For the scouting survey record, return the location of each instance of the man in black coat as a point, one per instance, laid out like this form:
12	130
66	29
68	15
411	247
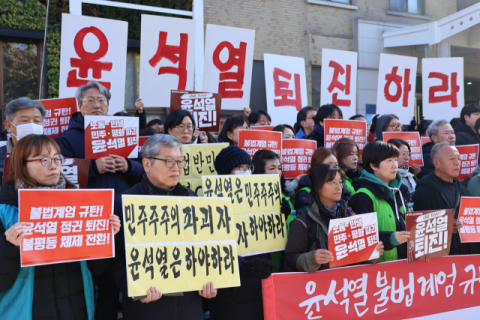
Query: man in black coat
465	129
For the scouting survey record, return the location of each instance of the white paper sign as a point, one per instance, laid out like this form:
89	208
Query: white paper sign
286	87
396	86
228	65
442	82
93	49
339	80
167	58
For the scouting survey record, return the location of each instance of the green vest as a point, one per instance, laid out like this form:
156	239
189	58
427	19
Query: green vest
349	186
386	221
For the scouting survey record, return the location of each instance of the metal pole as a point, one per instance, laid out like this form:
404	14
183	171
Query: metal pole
44	55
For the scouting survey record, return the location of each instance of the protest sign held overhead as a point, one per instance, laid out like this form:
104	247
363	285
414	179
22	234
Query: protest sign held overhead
296	156
57	115
469	216
430	233
167	58
93	49
228	64
65	225
286	87
353	239
205	107
336	129
339	80
111	135
469	160
192	239
413	140
253	140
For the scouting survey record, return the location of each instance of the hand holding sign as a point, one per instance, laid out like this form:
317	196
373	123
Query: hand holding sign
322	256
15	233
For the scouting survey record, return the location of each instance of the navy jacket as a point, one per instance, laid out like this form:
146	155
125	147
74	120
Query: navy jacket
318	134
463	133
72	144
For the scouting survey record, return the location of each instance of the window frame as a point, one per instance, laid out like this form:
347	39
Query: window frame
407	12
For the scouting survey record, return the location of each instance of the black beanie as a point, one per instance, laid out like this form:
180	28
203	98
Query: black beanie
231	157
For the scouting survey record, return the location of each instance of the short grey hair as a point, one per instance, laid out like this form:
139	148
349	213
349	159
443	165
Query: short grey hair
92	85
435	153
155	143
22	103
433	128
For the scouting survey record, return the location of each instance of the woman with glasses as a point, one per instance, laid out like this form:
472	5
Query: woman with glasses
386	122
181	125
347	153
379	189
408	178
230	129
307	245
55	291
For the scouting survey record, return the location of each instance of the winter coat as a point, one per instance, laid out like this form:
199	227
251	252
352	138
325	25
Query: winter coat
475	139
318	135
474	183
304	188
429	195
463	133
72	145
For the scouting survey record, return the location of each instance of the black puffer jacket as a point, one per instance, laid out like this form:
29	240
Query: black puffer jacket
463	133
428	166
318	134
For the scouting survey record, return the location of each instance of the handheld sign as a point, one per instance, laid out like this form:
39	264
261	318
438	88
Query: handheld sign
262	128
353	239
65	225
426	140
111	135
141	142
469	157
430	233
253	140
296	156
200	159
336	129
57	115
413	140
469	216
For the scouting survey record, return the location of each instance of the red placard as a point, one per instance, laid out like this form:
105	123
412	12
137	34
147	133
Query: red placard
296	156
141	142
469	157
413	140
65	225
262	128
469	216
430	233
426	140
57	115
336	129
105	136
204	106
253	140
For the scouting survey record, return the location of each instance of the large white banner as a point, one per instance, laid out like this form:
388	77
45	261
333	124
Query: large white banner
167	58
93	49
286	87
442	82
396	86
339	80
228	64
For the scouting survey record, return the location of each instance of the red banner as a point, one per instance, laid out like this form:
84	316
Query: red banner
469	157
296	156
469	216
253	140
262	128
413	140
141	142
336	129
392	290
65	225
57	117
426	140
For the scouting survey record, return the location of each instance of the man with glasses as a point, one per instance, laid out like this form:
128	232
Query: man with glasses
163	163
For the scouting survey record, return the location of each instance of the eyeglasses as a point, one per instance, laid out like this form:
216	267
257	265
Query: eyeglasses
47	162
170	163
244	168
182	128
335	184
406	154
395	126
91	102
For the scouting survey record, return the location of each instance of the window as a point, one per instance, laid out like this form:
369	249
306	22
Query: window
341	1
463	4
407	6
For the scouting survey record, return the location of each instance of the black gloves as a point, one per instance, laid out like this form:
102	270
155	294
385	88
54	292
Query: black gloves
374	123
260	268
285	208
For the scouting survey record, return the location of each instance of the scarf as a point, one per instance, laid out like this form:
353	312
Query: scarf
408	178
61	184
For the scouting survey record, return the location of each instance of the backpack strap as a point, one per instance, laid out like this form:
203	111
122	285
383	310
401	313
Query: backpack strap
308	189
311	228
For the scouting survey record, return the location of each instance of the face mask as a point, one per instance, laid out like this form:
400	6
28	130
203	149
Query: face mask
240	173
26	129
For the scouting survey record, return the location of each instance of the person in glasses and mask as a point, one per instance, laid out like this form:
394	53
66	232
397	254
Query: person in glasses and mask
22	117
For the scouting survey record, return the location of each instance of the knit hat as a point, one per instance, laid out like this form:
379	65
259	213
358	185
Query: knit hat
231	157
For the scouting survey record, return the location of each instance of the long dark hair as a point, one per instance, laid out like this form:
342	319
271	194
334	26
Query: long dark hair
260	159
230	124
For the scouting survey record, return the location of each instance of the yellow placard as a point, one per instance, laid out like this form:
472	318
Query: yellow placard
226	186
205	219
215	263
150	219
187	156
187	183
203	158
158	266
263	193
261	232
197	186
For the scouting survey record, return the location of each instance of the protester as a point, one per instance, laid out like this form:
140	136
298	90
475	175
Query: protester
439	131
147	132
442	190
465	129
230	129
205	137
373	127
259	118
305	121
287	131
475	139
408	178
423	127
386	122
52	291
157	125
181	125
454	122
328	111
347	153
379	189
304	253
244	302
